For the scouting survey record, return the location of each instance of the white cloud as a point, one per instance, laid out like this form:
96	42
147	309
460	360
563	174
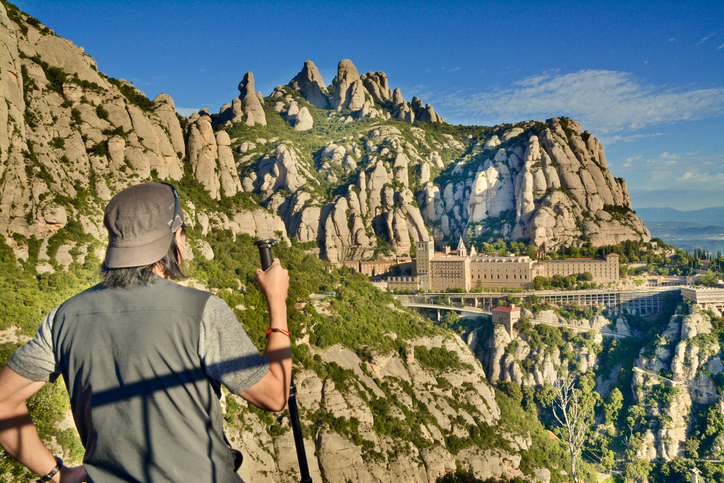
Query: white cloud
626	138
720	47
705	178
706	38
421	90
605	101
674	170
187	111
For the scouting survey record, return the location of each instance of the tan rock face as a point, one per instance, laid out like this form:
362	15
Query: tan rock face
688	384
72	132
304	120
349	90
250	104
310	84
334	457
556	188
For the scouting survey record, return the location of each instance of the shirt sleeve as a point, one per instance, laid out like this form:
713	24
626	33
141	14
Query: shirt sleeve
36	359
226	351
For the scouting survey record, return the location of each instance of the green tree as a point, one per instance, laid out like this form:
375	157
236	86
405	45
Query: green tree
613	406
512	390
541	283
586	276
709	279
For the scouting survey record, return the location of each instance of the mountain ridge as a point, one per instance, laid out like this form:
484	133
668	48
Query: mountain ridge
366	172
713	215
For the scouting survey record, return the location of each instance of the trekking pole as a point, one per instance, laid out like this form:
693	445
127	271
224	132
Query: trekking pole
265	253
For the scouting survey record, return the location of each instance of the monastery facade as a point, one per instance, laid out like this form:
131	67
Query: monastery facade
437	272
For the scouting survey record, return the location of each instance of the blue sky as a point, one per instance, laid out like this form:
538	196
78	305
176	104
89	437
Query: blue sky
645	78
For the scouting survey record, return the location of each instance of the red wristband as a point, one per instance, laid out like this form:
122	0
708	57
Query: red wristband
274	329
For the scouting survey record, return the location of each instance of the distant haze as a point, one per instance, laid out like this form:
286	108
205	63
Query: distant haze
686	229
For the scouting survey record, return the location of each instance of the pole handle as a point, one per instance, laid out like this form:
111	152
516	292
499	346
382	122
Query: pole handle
265	251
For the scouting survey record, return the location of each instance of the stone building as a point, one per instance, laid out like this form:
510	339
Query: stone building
486	272
439	271
376	267
447	271
403	282
507	317
603	270
425	252
707	297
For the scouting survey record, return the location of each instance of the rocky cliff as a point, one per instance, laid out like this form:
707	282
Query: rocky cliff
673	380
70	137
369	180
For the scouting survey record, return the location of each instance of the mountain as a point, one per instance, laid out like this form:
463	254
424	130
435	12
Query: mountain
364	172
713	215
392	397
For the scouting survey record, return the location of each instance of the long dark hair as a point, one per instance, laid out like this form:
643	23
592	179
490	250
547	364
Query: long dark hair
133	276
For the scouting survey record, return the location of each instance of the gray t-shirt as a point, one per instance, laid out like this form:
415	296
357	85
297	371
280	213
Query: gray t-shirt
226	352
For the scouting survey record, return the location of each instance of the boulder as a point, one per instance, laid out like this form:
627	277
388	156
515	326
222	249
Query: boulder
304	120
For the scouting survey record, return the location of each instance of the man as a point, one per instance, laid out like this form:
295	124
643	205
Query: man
143	359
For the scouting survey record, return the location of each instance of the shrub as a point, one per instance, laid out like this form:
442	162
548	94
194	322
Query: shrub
76	117
102	113
99	149
512	390
133	96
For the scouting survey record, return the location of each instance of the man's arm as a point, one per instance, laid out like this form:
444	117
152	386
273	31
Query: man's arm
18	435
272	391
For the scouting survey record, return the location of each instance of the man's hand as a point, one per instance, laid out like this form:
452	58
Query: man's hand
274	284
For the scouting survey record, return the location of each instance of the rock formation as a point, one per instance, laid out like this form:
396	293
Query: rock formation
553	181
62	123
333	457
683	366
545	183
250	103
303	120
311	85
349	91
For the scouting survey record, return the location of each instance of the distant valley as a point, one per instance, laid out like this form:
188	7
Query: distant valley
702	229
